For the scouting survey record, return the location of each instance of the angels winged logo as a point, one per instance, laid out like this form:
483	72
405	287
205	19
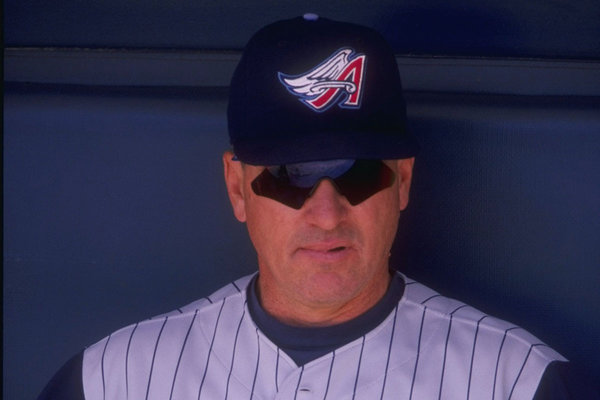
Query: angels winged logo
337	80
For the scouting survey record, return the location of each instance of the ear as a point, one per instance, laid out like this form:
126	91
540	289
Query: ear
234	180
404	171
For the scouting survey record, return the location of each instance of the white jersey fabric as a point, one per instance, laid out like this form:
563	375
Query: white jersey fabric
429	347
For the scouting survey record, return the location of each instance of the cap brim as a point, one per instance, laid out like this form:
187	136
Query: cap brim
285	149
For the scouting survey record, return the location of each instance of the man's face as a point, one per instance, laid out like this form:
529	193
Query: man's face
328	257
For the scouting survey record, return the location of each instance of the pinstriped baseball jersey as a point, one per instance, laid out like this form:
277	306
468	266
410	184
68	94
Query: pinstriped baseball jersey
429	347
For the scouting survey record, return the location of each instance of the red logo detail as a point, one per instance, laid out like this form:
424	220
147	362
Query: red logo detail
338	79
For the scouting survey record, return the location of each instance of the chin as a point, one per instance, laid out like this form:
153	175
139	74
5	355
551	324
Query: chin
330	287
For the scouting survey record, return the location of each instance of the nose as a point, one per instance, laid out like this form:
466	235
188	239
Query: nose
326	207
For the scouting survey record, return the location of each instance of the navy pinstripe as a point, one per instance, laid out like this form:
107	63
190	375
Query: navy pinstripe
329	376
181	353
387	364
257	363
127	360
498	359
237	334
154	356
299	380
473	356
522	367
362	347
277	371
212	342
446	350
429	298
412	385
103	380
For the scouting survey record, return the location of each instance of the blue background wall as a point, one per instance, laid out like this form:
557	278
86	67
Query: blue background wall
115	210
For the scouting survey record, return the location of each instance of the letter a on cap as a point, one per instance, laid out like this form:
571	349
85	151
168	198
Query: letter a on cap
337	80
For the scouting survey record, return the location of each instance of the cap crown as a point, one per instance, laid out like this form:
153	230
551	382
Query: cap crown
314	90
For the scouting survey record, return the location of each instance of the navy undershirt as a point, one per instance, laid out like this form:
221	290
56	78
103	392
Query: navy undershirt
304	344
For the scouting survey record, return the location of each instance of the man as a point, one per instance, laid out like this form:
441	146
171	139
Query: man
320	171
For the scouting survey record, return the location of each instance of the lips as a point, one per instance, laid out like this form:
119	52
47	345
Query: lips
326	246
325	251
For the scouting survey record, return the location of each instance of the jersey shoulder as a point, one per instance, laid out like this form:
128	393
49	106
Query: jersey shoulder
460	313
112	365
233	288
499	354
470	318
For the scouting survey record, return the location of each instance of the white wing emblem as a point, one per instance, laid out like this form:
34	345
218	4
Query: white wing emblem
338	79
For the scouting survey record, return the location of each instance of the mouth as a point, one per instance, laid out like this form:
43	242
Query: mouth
325	251
336	249
326	246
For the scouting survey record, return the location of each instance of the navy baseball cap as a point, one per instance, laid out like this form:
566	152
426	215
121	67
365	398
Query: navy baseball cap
314	89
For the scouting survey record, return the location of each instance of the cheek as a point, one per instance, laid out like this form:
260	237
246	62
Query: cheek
266	227
381	220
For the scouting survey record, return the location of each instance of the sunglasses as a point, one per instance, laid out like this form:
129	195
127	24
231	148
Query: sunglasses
292	184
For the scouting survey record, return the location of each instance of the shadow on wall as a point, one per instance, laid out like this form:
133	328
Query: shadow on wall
472	31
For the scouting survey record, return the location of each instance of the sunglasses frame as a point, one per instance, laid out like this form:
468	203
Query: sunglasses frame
364	179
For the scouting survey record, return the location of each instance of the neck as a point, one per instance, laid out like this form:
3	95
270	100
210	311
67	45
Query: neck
301	312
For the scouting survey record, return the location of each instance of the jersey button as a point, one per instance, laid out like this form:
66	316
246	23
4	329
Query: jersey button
304	393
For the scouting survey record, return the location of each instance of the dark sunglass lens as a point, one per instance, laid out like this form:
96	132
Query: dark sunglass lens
364	179
279	189
292	185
